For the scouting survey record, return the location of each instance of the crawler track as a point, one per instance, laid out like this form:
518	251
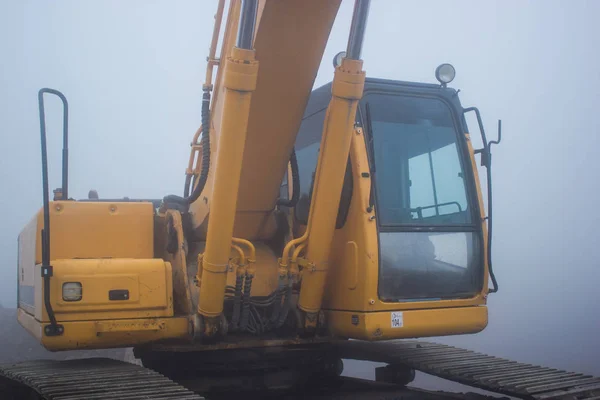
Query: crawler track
494	374
94	379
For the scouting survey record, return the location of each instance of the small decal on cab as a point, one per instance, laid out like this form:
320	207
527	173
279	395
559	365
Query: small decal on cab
397	320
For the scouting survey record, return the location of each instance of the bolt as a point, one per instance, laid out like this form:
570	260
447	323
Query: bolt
58	207
371	302
113	208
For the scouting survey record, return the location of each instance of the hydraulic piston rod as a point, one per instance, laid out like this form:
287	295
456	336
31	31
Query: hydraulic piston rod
239	81
347	89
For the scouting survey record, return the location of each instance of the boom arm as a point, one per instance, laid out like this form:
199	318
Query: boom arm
289	41
256	117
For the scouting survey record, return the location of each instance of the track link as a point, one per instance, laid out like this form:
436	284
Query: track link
93	379
474	369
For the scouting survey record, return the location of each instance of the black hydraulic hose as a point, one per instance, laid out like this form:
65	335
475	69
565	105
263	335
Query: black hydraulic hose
277	306
205	147
287	303
186	186
246	301
295	184
237	302
205	158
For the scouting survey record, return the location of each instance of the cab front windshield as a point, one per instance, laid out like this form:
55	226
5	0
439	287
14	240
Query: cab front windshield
429	245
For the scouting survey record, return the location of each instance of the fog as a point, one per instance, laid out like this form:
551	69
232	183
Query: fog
132	72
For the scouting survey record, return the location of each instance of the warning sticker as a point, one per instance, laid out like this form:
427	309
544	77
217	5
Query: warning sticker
397	320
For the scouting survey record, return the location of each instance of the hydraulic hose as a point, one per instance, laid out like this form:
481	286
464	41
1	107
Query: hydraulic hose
186	186
205	158
246	299
287	302
278	298
205	147
237	298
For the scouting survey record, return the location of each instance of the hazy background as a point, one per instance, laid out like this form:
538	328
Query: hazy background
132	72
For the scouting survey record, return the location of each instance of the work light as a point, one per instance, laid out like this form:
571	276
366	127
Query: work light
445	74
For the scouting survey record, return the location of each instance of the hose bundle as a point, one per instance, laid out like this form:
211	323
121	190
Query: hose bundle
186	201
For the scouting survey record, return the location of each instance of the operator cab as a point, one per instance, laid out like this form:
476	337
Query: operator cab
430	236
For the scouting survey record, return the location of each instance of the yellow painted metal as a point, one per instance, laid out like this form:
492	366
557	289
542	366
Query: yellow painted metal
481	210
182	295
195	160
93	334
290	39
347	89
360	230
213	44
239	81
356	244
256	113
241	259
415	323
249	245
92	230
266	270
149	282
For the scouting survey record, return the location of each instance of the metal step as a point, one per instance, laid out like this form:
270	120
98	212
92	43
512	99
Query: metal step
476	369
93	378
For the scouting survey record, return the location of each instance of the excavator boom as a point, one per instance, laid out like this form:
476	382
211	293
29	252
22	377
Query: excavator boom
289	41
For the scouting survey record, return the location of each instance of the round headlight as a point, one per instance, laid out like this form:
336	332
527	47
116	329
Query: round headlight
337	59
445	74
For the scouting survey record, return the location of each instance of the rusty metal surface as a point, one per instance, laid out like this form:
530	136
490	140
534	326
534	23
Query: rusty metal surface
96	378
475	369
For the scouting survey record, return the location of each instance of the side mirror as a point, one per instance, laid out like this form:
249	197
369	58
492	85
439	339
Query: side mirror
486	152
491	142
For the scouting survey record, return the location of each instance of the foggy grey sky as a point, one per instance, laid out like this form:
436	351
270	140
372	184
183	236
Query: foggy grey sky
132	72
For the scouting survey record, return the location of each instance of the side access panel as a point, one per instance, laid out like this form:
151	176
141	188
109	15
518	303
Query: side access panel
80	230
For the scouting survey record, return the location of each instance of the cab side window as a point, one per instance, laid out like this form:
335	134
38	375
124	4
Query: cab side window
308	144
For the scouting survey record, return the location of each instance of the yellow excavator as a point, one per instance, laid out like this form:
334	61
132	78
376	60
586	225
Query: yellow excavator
314	227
